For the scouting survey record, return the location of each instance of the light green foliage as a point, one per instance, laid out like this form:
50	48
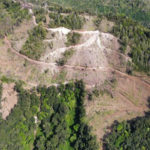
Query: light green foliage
62	127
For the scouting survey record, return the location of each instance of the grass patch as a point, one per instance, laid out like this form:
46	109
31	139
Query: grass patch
5	79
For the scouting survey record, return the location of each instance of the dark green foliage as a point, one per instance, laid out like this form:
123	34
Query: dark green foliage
71	21
131	135
59	125
137	37
66	55
73	38
17	132
34	47
85	140
11	15
136	9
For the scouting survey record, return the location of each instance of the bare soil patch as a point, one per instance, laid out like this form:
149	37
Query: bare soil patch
9	99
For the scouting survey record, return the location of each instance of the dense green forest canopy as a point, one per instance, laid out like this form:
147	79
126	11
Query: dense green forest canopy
48	118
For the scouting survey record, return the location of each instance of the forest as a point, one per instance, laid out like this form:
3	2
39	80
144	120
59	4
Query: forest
48	118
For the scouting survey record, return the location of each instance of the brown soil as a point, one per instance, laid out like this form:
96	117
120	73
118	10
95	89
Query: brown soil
9	99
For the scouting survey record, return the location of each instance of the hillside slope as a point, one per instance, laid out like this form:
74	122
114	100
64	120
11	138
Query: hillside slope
42	60
138	10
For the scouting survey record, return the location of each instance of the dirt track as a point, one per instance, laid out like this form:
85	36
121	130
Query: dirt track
70	66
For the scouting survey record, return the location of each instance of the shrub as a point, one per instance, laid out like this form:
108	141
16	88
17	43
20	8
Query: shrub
34	47
73	38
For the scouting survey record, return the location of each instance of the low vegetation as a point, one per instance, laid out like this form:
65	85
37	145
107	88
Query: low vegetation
58	8
40	15
11	15
1	90
48	118
71	21
34	47
66	55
